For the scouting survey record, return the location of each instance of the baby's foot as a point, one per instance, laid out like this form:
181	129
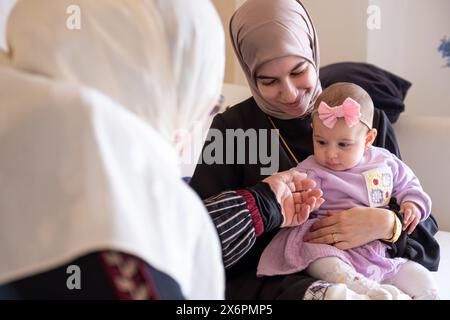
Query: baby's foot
339	291
396	293
427	295
379	293
369	287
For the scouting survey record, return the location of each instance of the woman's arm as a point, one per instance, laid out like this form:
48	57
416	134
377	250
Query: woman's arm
284	199
238	222
352	228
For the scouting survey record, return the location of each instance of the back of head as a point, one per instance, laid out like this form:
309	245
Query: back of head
77	110
337	93
155	58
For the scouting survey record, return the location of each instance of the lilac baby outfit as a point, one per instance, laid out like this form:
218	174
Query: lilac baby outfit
371	183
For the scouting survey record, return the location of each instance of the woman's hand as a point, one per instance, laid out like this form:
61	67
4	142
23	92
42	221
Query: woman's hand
296	196
352	228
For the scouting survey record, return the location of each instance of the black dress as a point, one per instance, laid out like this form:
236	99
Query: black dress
102	275
210	179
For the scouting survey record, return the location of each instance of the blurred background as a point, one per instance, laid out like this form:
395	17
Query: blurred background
406	43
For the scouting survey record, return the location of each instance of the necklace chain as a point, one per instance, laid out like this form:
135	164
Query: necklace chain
283	141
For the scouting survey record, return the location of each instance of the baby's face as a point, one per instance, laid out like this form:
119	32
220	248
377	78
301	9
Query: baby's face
340	148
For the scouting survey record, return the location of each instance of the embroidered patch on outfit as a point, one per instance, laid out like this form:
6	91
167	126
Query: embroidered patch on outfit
379	186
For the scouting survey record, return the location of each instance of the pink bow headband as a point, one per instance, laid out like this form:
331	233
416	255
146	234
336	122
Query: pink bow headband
349	110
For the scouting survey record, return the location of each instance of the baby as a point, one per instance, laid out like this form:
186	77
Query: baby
353	173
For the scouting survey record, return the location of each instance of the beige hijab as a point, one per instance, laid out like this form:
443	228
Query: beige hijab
263	30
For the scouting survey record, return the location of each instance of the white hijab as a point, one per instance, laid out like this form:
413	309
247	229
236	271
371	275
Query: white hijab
87	120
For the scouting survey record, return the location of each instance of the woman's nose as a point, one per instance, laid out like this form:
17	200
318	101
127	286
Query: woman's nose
289	92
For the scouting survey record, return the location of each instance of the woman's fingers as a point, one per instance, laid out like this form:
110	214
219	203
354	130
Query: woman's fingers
302	216
315	193
354	227
298	217
325	222
308	197
324	232
298	197
325	239
300	201
302	186
291	186
311	202
343	245
319	202
299	181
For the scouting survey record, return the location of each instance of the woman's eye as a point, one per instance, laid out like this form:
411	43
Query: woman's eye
298	73
268	83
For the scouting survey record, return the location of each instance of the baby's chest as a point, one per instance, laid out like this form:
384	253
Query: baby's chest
372	187
378	184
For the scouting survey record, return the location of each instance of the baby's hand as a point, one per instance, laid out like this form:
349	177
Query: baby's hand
411	215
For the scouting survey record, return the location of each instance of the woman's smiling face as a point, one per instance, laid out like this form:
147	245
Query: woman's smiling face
287	83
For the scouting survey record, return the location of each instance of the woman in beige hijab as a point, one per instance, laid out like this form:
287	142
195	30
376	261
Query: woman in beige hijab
277	47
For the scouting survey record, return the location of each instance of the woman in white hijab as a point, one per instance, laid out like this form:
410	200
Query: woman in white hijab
94	96
86	133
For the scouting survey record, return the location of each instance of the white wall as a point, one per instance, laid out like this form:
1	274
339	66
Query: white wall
341	30
238	74
233	71
407	45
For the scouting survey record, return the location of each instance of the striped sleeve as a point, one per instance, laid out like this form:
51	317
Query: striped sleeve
238	222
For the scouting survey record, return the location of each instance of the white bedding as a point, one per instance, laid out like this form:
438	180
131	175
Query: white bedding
443	276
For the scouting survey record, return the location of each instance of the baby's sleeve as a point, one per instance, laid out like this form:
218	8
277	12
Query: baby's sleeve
407	187
308	166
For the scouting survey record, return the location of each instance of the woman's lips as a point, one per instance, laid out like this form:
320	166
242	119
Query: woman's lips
301	100
293	104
